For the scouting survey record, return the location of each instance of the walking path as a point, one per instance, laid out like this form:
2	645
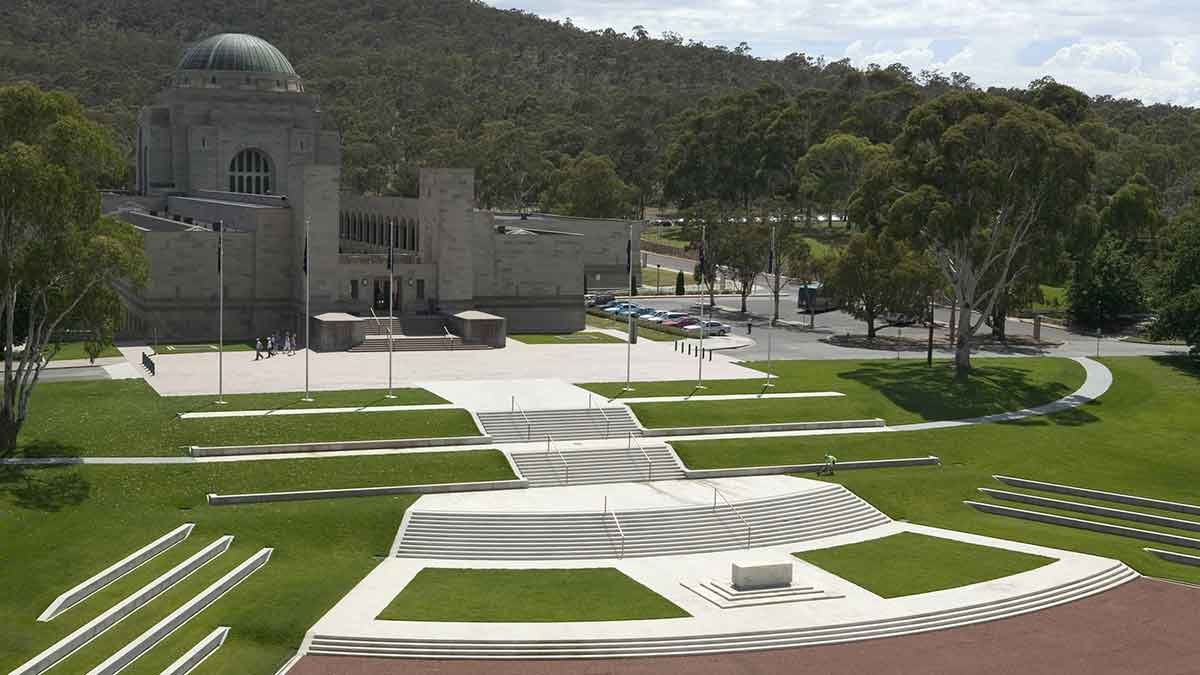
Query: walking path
498	397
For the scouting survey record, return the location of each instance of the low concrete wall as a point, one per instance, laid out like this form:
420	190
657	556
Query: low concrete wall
1175	557
761	428
1132	500
341	493
1093	509
129	605
119	569
479	328
142	643
1080	524
809	468
206	646
228	450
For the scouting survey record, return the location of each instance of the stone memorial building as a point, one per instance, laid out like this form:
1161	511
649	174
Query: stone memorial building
236	139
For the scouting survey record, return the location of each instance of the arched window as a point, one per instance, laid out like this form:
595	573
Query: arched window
250	172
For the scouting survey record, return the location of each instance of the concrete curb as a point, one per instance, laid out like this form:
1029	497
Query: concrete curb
808	468
341	493
118	612
227	450
115	571
1092	509
760	428
1132	500
1081	524
156	633
1173	556
205	647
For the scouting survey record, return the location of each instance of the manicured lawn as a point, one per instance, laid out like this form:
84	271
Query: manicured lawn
908	563
74	350
580	338
540	595
1139	438
623	325
127	417
656	278
202	348
60	525
900	392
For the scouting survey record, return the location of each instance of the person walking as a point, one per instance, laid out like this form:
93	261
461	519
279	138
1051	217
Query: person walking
258	347
270	346
291	344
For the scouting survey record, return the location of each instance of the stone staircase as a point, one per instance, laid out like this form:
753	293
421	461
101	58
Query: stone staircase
624	463
680	645
564	425
407	343
794	517
724	595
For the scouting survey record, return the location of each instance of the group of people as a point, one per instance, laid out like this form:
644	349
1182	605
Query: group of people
281	343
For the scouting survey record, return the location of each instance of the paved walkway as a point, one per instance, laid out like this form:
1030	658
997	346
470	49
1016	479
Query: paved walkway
1145	626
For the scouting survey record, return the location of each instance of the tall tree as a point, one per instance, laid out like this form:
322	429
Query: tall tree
59	259
834	168
981	179
875	275
1177	296
512	166
1105	285
588	186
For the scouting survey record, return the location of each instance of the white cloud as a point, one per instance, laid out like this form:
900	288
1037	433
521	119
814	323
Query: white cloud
1144	49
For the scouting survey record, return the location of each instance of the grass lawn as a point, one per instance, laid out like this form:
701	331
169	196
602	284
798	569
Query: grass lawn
580	338
908	563
65	417
199	348
623	325
650	277
900	392
60	525
671	235
1139	438
519	596
74	350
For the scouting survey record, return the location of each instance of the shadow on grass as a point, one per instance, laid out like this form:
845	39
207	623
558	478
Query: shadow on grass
938	393
45	487
1184	364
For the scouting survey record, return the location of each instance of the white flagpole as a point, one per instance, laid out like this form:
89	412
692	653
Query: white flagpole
703	283
391	296
221	312
774	269
629	335
307	320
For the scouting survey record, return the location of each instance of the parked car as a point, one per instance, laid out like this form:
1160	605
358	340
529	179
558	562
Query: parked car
709	327
681	322
603	299
589	300
613	308
668	315
649	313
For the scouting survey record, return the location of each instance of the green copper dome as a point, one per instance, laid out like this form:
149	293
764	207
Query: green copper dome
238	52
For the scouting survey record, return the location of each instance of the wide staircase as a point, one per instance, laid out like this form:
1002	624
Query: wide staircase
628	462
794	517
419	343
562	425
732	641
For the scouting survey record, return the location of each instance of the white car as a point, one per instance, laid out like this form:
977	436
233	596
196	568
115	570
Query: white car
667	315
710	328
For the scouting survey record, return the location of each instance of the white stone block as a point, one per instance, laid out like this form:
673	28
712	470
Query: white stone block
749	575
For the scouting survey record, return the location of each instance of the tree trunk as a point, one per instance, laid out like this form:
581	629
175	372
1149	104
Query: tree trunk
871	327
775	313
962	345
8	436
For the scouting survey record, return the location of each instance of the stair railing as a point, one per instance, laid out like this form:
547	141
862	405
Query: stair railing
528	426
629	446
566	467
449	338
616	520
607	421
717	492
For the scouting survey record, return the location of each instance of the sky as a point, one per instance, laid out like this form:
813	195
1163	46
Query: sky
1145	49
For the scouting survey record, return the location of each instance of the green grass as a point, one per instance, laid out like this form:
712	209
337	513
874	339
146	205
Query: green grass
521	596
668	235
202	348
650	277
908	563
623	325
74	350
1139	438
60	525
580	338
900	392
127	417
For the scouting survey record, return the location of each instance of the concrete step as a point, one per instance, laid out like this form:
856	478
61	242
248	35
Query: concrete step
565	424
725	642
603	465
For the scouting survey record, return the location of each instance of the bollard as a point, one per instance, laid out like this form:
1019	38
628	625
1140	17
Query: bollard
710	355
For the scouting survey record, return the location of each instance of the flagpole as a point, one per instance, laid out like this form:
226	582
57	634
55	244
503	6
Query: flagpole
307	398
772	269
704	282
220	312
629	334
391	295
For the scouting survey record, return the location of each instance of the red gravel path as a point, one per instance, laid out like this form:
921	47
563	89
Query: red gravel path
1145	626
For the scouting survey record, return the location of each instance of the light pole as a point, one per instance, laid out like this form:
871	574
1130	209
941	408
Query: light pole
220	312
771	263
658	280
629	334
307	345
703	280
391	294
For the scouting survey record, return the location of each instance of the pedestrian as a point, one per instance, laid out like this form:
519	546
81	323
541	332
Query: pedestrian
258	347
291	344
270	346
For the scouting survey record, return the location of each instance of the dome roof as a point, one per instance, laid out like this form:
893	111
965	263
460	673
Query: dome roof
237	52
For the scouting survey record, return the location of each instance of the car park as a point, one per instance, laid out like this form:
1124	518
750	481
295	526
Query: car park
709	327
681	322
667	315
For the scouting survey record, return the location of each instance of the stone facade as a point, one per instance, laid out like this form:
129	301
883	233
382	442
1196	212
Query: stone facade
252	150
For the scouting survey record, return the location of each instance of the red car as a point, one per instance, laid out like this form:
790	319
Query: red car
680	323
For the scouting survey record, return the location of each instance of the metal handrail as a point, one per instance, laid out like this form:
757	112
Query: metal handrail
566	467
516	407
607	422
620	530
449	337
735	512
649	465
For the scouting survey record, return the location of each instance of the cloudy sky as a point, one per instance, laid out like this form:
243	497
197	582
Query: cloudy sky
1147	49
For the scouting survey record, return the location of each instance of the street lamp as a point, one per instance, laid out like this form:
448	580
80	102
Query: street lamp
658	280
